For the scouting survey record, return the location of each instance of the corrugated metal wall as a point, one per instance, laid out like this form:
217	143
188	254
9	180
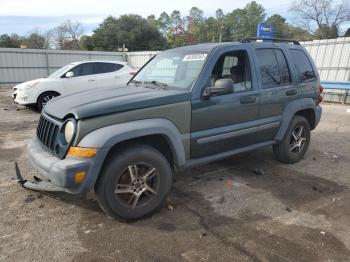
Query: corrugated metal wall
19	65
138	59
332	57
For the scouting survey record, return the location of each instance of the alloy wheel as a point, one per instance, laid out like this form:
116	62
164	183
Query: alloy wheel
137	185
297	139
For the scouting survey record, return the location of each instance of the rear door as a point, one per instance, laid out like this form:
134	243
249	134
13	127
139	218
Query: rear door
277	89
83	78
107	74
226	122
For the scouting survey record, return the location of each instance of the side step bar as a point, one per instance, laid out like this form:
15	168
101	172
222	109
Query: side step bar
38	184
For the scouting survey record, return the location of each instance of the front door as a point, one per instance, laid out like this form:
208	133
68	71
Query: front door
226	122
84	78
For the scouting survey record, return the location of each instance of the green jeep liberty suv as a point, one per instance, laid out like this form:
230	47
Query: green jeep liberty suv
187	106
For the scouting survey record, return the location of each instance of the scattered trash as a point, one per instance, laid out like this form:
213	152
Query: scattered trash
229	183
30	198
202	235
259	171
88	231
5	109
335	156
323	233
170	207
288	209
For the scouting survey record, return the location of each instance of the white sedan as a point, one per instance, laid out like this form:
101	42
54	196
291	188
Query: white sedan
72	78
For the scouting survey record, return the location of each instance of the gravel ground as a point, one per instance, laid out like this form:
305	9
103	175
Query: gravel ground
219	212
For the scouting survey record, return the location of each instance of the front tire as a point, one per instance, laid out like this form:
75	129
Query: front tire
134	183
44	99
295	142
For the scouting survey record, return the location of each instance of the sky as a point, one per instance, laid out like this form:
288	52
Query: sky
22	16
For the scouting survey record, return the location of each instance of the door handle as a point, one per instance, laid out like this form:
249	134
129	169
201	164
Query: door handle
91	80
247	99
291	92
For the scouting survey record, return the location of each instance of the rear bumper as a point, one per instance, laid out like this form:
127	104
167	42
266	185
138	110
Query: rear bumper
318	114
60	173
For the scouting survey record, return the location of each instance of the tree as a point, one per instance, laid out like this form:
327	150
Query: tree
133	31
347	33
242	23
196	31
36	41
164	23
13	41
66	35
322	17
177	29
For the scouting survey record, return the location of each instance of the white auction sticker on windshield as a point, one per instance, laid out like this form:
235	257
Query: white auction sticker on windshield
194	57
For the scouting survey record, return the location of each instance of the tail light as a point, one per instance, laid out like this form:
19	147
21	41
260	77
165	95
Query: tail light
320	97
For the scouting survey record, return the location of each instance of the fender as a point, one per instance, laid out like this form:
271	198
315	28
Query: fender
108	136
289	112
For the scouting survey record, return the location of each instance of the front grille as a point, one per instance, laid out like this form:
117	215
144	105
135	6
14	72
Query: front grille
47	133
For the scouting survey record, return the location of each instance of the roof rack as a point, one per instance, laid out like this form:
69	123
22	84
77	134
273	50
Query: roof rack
274	39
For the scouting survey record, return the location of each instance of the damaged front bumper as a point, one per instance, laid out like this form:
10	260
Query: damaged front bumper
59	174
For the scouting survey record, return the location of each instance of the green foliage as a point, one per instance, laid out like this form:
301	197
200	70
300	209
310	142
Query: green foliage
133	31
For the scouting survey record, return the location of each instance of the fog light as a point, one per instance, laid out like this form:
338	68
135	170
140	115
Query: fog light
79	177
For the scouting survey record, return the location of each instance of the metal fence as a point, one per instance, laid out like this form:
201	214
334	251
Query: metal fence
19	65
332	57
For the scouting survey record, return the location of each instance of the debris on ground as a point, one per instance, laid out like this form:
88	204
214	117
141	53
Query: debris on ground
201	235
5	109
323	233
170	207
259	171
288	209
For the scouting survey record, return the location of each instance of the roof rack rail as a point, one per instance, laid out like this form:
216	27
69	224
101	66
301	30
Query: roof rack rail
274	39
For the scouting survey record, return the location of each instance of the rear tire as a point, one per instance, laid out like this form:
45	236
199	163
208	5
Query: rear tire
44	98
295	142
134	183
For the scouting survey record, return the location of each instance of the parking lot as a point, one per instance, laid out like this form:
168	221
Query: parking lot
246	208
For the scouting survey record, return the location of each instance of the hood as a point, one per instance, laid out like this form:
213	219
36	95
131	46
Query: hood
26	84
111	100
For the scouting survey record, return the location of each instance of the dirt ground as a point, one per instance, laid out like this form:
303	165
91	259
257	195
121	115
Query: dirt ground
219	212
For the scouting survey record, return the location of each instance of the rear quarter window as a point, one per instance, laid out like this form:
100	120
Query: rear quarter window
303	65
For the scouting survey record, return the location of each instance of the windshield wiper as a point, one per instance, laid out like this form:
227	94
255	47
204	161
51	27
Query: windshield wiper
157	83
136	82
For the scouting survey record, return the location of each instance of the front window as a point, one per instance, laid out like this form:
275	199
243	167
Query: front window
62	70
177	69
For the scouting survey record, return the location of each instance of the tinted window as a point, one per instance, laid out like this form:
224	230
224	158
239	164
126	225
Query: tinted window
83	69
269	71
283	67
234	65
102	68
303	65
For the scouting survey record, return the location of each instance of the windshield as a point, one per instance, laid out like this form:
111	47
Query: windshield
177	69
60	71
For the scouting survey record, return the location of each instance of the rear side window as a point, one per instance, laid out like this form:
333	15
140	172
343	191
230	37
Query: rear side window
281	59
303	65
269	70
83	69
101	68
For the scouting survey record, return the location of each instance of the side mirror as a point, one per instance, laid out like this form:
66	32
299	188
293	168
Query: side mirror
69	74
221	87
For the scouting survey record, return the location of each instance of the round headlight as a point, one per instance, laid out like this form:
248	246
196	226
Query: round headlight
69	130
